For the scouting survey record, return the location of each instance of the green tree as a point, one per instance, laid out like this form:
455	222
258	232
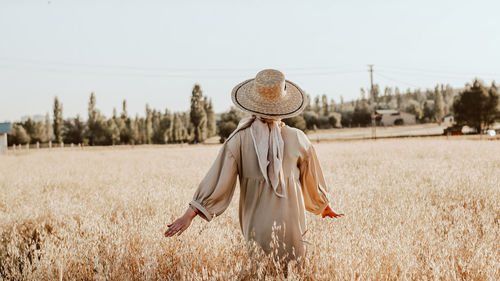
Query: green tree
361	115
325	106
312	120
376	93
35	130
73	130
399	99
228	123
209	110
97	127
18	135
125	126
308	103
415	109
335	120
198	116
148	126
112	132
333	106
57	120
161	127
296	122
438	105
317	106
428	113
48	128
136	132
178	133
477	106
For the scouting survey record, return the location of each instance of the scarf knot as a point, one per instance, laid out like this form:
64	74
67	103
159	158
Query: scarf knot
269	146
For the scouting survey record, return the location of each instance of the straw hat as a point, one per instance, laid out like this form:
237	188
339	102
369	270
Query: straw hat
269	95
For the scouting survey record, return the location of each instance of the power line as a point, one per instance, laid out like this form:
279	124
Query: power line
433	73
316	70
159	74
397	81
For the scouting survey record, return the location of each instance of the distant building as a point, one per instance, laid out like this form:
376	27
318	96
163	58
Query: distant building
448	120
391	117
4	130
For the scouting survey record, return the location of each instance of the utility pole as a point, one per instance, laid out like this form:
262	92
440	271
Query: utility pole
372	102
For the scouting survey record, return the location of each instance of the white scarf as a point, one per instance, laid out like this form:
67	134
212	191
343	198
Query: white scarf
268	143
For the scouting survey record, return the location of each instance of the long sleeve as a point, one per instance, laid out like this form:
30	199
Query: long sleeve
314	189
215	191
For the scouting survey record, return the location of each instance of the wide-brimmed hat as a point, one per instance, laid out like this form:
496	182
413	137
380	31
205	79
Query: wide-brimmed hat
269	95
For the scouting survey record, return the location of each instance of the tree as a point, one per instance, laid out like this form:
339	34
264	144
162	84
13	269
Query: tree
35	130
324	104
361	115
178	130
333	107
126	126
311	118
58	121
399	99
96	124
134	130
438	106
363	93
48	128
161	127
296	122
387	94
376	93
209	110
477	106
148	126
428	113
112	132
415	109
228	123
198	116
317	106
124	114
335	120
308	103
73	130
18	135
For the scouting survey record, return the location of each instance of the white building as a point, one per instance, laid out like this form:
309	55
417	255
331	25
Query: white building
448	120
391	117
4	130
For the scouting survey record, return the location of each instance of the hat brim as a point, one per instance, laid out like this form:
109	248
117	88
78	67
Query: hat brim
291	104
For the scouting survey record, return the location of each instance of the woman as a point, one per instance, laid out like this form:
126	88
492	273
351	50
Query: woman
278	170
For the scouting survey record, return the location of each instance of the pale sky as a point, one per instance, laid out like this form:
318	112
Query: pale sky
155	51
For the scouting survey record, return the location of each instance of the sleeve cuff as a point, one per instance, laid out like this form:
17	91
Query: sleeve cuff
322	208
205	213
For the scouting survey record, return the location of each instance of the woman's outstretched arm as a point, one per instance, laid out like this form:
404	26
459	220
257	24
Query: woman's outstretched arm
214	192
182	223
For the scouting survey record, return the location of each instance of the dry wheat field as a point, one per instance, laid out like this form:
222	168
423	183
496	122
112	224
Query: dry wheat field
415	209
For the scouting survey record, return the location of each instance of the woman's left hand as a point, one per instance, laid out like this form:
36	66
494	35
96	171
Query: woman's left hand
328	212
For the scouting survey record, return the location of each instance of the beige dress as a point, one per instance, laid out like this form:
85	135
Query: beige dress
260	207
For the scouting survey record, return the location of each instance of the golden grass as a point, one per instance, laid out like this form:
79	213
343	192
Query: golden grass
416	209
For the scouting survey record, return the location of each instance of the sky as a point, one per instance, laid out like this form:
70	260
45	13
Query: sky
153	52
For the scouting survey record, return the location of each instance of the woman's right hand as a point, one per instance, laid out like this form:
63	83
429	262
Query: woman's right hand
181	224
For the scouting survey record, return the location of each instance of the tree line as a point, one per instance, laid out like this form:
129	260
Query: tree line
429	105
475	105
156	127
